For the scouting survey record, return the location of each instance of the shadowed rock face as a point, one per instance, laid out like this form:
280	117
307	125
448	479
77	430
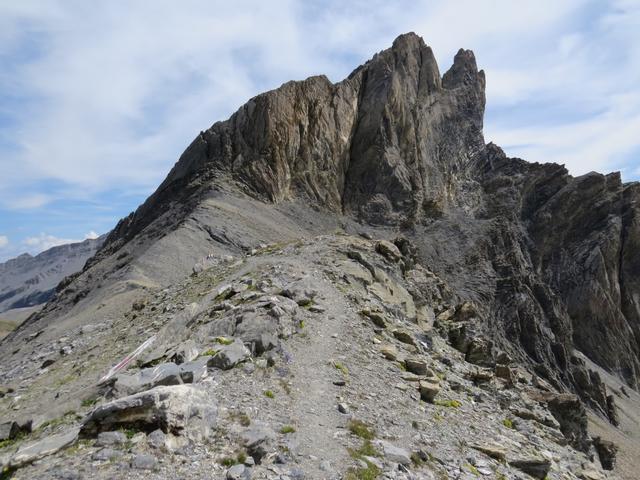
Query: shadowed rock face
549	260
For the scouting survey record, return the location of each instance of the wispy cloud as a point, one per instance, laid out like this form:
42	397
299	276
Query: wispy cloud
103	97
4	241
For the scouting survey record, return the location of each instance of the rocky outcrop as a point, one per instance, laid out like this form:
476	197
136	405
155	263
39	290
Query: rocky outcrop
548	257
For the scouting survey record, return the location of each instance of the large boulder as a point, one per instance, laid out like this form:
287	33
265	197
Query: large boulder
31	452
146	379
178	409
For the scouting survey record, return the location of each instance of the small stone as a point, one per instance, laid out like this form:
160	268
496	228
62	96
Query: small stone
237	472
47	363
229	356
428	390
389	352
395	454
404	337
106	454
536	467
417	366
376	317
157	439
388	250
343	408
504	372
108	439
494	451
144	462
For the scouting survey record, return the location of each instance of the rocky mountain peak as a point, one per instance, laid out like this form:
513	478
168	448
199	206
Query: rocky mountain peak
361	229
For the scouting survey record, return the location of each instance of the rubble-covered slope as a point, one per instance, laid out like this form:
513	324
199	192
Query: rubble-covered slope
326	358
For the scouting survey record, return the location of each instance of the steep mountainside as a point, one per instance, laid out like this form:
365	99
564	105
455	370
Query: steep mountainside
508	286
27	281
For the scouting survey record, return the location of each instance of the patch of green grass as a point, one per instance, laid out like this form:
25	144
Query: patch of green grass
415	425
366	450
242	418
269	394
287	429
448	403
361	429
129	432
472	469
89	402
240	457
415	458
12	441
66	418
64	380
341	367
371	472
301	324
6	473
224	340
228	461
209	353
507	422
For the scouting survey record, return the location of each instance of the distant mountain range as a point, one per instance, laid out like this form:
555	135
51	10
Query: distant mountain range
28	281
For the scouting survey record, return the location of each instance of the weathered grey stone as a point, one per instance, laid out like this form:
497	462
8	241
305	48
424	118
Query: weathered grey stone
389	352
163	374
194	372
157	439
179	409
536	467
8	430
417	366
428	390
106	454
47	446
237	472
258	441
187	351
494	451
228	356
144	462
107	439
404	336
395	454
388	250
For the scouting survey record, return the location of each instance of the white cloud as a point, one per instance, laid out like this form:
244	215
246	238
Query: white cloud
114	97
91	235
43	242
4	241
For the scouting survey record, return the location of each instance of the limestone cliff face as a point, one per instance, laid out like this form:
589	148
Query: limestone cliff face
551	260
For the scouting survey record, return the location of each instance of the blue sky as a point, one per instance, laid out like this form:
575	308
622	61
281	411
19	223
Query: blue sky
98	99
